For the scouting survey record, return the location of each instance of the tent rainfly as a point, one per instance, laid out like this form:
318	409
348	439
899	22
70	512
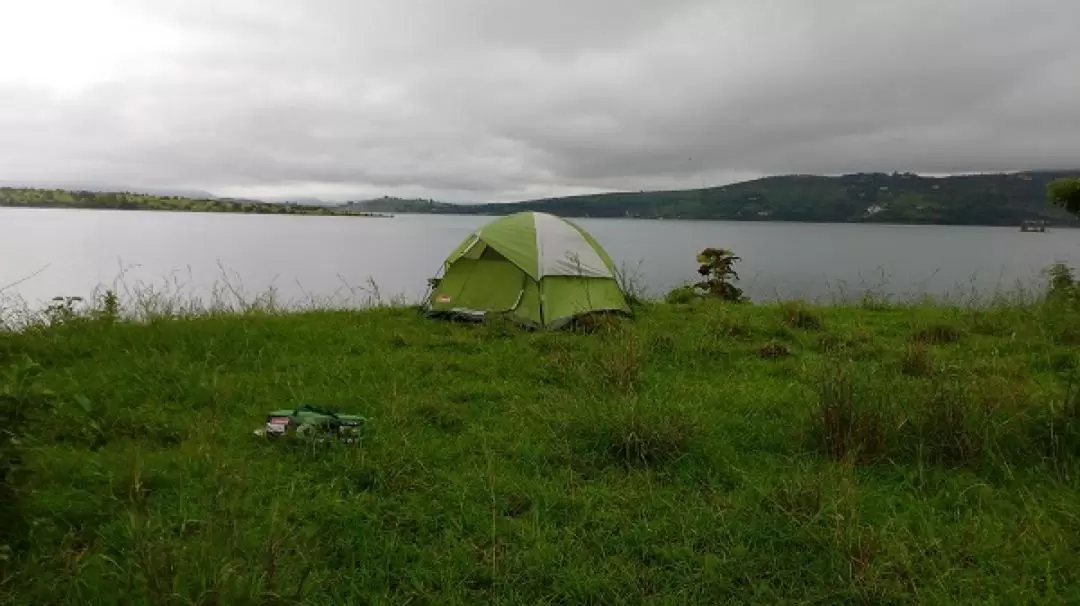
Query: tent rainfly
540	269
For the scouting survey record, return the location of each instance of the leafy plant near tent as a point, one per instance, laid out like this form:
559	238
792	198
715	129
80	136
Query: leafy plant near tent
718	272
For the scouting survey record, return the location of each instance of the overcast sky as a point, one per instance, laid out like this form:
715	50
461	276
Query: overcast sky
483	100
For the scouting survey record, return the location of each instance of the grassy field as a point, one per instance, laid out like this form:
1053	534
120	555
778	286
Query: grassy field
698	454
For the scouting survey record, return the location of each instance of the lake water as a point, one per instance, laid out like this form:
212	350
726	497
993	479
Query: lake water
45	253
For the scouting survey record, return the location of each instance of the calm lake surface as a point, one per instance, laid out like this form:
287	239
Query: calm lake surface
72	252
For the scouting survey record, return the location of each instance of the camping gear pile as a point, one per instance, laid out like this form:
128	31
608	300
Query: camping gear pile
314	423
536	268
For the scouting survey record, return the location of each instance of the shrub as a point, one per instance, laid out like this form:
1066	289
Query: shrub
108	310
1062	278
1065	192
1062	286
682	295
719	276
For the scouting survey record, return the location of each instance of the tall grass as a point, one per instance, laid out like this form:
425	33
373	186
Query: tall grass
175	296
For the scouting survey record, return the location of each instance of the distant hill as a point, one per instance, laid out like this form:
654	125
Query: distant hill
306	201
94	186
401	205
991	199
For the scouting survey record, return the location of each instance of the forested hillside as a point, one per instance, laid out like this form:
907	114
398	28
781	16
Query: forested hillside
995	199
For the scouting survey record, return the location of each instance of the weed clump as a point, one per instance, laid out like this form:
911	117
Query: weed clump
1061	431
853	345
774	350
500	326
662	344
990	323
515	504
632	284
599	323
952	426
620	363
1066	334
938	334
833	344
722	323
728	328
951	422
1062	362
637	440
440	417
918	361
20	394
871	301
850	420
798	315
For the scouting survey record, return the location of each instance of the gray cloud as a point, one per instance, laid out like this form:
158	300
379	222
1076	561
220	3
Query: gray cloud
501	99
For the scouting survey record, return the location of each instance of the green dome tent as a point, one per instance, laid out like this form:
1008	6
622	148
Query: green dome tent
540	269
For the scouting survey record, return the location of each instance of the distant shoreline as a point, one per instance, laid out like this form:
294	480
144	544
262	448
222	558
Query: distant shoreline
125	201
376	215
991	200
739	220
1004	199
368	215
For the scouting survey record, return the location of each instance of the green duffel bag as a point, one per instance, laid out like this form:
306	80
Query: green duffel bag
307	420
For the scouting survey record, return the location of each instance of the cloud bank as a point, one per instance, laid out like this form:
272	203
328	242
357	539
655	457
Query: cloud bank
485	100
